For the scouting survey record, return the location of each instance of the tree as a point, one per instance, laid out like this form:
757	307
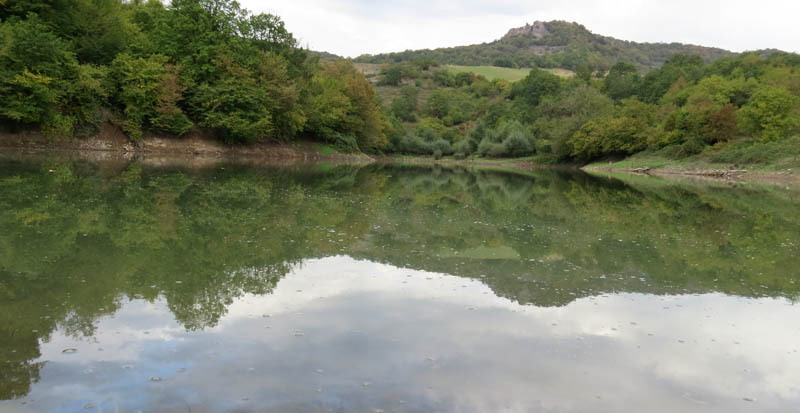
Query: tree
149	91
559	117
392	75
625	133
404	105
622	81
771	113
538	84
356	112
246	105
656	83
41	80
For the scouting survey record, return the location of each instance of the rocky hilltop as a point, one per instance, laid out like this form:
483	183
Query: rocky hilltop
537	30
553	44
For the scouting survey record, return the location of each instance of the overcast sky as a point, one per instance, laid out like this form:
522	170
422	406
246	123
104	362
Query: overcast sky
354	27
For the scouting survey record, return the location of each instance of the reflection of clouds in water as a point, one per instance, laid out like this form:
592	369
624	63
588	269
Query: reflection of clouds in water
375	335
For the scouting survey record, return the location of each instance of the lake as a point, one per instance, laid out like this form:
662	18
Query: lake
369	288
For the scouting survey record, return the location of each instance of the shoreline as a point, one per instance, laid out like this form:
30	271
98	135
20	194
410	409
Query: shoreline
719	175
199	150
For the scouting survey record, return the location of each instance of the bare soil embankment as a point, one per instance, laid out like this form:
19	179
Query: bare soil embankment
195	149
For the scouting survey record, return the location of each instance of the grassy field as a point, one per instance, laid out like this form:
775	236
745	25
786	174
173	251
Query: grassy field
505	73
490	72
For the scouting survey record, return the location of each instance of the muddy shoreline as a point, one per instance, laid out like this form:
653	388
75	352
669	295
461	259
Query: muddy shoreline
198	149
733	175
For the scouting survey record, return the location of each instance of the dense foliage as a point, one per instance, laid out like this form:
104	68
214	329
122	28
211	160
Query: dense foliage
682	109
69	65
567	45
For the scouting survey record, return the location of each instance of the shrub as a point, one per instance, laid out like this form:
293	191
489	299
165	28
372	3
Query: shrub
344	142
508	139
462	149
413	144
754	152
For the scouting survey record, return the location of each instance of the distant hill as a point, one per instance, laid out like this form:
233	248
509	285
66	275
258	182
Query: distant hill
555	44
324	55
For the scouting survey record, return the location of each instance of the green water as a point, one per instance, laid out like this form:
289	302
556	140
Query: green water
127	287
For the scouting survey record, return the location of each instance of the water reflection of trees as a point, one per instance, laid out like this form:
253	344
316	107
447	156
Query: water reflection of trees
76	240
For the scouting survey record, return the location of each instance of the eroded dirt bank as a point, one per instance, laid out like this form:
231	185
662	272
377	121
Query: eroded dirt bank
195	149
198	149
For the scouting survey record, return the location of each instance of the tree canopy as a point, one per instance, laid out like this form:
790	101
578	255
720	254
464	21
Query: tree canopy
69	65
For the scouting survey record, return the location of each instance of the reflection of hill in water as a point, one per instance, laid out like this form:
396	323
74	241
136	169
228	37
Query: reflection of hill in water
77	240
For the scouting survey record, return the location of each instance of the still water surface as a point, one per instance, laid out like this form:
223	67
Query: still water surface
127	287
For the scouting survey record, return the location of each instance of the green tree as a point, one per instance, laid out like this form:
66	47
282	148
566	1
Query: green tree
533	88
686	68
626	132
404	105
392	75
149	92
244	104
41	80
772	113
343	101
558	117
622	81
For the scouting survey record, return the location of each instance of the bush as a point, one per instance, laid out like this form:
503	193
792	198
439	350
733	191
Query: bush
344	142
543	146
462	149
508	139
754	152
443	146
413	144
692	146
404	105
517	144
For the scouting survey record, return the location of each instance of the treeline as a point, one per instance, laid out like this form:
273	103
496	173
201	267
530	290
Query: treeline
67	66
566	46
738	109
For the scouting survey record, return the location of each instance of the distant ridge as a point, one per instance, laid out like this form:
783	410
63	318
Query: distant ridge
324	55
554	44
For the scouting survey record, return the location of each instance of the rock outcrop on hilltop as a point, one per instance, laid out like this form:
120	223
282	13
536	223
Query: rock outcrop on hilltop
537	30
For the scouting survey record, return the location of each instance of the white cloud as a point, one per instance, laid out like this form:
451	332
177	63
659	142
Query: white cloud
354	27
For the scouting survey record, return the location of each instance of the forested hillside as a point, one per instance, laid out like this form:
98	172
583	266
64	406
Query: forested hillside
555	44
67	66
740	110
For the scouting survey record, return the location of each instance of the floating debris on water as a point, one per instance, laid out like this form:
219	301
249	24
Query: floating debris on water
69	351
155	378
